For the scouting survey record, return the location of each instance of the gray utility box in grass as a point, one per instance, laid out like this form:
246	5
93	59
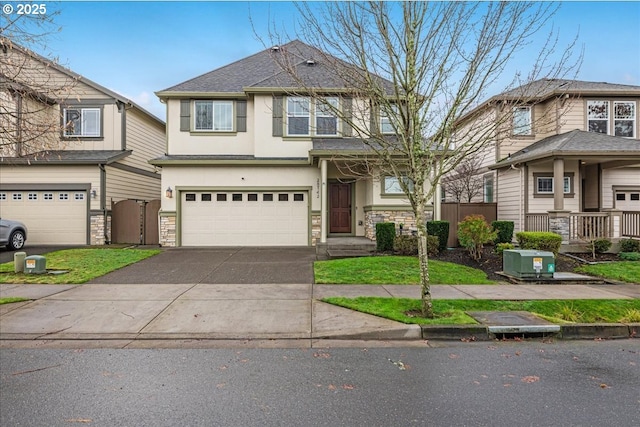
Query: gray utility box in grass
527	263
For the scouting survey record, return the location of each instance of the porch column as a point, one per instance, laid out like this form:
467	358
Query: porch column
323	201
558	184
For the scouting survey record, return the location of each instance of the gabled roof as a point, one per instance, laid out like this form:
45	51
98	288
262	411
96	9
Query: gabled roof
575	143
547	88
264	70
8	44
67	157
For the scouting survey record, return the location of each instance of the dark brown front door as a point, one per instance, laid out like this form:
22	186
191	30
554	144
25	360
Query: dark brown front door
339	208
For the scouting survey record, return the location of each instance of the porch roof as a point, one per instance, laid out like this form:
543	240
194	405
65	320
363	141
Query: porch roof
576	143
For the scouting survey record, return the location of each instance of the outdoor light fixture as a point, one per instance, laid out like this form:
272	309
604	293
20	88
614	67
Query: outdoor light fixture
169	193
94	193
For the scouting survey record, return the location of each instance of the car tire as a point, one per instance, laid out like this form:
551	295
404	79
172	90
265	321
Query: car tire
16	240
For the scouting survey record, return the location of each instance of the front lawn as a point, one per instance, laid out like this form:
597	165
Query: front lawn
626	271
394	270
449	312
82	265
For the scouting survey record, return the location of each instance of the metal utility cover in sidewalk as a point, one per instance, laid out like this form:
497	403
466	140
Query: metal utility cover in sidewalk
507	322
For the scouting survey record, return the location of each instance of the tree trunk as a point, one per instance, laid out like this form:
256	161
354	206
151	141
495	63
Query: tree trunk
425	286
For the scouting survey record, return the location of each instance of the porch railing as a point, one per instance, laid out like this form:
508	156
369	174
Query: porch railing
589	225
537	222
631	224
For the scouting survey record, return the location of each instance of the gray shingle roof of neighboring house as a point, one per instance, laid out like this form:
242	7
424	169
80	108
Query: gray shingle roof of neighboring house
575	143
544	88
208	158
264	70
69	157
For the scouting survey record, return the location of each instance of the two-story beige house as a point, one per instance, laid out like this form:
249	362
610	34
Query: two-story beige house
253	161
94	151
567	159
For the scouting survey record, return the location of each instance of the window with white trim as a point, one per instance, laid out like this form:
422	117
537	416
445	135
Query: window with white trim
78	196
488	188
298	115
386	119
3	196
392	185
213	116
16	196
63	196
32	196
326	119
522	121
621	123
624	119
544	185
47	196
82	122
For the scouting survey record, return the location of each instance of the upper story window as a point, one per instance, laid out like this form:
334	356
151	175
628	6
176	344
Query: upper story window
623	122
307	117
386	119
82	122
213	116
326	119
522	121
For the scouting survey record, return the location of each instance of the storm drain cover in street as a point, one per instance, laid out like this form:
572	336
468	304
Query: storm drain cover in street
512	322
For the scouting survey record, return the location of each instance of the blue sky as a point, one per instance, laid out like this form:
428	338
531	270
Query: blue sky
138	48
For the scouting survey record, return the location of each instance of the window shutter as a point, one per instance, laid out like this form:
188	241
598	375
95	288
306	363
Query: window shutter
185	115
241	116
347	130
278	104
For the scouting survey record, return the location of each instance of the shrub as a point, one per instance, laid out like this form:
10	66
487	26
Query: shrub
629	256
540	240
629	245
385	233
408	245
500	247
473	233
601	245
505	231
440	229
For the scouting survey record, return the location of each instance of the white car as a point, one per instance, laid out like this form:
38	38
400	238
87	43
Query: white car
13	234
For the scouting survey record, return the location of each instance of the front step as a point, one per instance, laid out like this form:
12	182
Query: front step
347	253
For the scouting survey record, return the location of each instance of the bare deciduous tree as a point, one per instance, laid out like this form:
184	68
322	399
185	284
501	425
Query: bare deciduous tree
464	183
420	69
30	86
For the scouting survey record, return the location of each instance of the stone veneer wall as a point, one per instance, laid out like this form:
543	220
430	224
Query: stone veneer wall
96	222
168	231
315	229
406	218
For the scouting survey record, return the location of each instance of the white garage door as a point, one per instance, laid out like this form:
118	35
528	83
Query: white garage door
628	200
278	218
51	217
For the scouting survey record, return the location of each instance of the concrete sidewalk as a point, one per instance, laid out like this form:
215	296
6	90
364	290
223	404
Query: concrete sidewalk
139	315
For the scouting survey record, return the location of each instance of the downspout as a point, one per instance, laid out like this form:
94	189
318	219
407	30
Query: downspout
103	200
123	125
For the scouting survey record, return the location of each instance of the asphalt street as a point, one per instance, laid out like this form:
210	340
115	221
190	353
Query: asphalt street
587	383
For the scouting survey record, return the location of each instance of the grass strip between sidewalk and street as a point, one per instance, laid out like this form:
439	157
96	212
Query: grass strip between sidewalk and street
452	312
82	265
10	300
394	270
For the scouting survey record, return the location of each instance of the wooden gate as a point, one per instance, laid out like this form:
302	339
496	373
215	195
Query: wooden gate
455	212
135	222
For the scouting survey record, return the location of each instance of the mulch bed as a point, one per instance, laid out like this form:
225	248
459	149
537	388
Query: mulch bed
491	262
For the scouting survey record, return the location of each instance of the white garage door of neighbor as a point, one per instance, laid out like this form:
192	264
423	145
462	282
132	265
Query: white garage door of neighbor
628	200
51	217
278	218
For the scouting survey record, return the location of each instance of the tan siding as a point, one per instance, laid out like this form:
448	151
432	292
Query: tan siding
146	137
545	204
123	185
510	197
617	177
573	116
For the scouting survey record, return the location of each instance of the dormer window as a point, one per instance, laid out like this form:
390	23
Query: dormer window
213	116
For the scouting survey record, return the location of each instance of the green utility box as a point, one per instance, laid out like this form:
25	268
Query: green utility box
35	264
528	264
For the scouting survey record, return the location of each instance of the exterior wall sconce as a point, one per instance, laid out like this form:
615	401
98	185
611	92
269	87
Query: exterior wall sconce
169	193
94	193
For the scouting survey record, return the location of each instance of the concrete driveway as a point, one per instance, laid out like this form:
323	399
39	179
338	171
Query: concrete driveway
220	266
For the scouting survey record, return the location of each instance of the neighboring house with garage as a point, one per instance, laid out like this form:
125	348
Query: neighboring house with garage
566	159
251	161
95	154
